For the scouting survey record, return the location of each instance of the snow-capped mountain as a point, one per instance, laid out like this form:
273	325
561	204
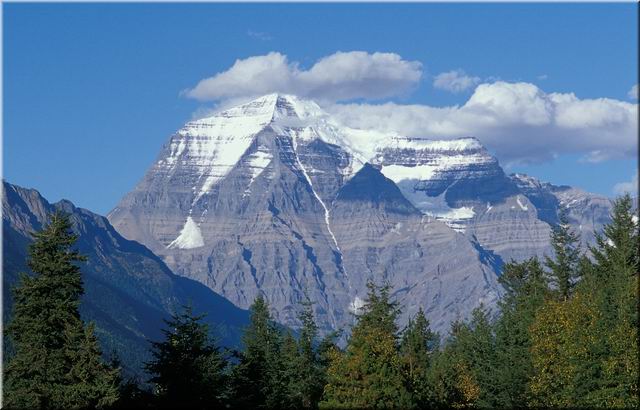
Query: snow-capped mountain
276	197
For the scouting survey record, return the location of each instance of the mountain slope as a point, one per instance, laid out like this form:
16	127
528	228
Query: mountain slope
588	213
275	197
255	199
384	238
128	289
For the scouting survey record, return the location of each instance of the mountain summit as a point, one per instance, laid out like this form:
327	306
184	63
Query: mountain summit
275	197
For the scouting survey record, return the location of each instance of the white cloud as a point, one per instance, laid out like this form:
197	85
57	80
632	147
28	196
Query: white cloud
630	187
517	121
633	92
542	77
338	77
455	81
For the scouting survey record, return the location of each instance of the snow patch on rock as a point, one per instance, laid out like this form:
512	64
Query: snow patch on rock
190	237
520	204
257	162
356	305
398	173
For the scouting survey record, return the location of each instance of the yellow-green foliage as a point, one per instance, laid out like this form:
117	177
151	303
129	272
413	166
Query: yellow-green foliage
467	386
369	373
585	348
563	337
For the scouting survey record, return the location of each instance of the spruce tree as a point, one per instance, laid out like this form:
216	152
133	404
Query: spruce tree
416	348
563	352
613	287
187	368
525	292
57	361
585	349
450	380
310	376
291	373
257	379
473	357
564	272
369	373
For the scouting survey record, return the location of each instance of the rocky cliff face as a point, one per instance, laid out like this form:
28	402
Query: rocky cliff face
128	289
588	213
274	197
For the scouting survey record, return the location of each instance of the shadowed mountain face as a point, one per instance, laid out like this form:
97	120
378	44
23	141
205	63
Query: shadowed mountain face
128	289
274	197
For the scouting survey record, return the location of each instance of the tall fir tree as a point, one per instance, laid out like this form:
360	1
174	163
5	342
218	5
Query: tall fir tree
526	289
257	380
187	368
309	380
450	380
57	361
613	288
564	272
290	376
585	350
416	349
467	365
369	372
562	353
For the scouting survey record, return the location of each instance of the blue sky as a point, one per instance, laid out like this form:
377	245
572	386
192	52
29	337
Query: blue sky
92	92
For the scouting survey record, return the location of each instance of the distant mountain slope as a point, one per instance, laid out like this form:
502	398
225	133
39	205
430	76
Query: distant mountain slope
588	213
128	290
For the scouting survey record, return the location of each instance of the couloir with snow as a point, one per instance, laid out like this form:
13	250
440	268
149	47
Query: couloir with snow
275	197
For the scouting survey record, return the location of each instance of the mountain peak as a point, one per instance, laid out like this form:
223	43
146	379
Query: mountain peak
269	107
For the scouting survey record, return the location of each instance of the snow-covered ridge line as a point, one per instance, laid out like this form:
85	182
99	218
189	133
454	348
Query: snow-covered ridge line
283	111
459	144
213	146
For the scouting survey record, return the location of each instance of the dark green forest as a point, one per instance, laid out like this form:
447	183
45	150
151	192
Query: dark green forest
565	335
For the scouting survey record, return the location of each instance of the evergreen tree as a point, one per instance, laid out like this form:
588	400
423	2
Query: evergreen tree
187	369
327	349
564	272
369	372
612	286
451	383
472	356
310	380
292	372
563	367
416	348
258	377
585	350
525	292
57	361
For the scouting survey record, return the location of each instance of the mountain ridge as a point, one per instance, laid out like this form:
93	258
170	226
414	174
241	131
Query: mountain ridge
128	289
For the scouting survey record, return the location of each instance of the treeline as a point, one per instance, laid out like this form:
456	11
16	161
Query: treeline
566	335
